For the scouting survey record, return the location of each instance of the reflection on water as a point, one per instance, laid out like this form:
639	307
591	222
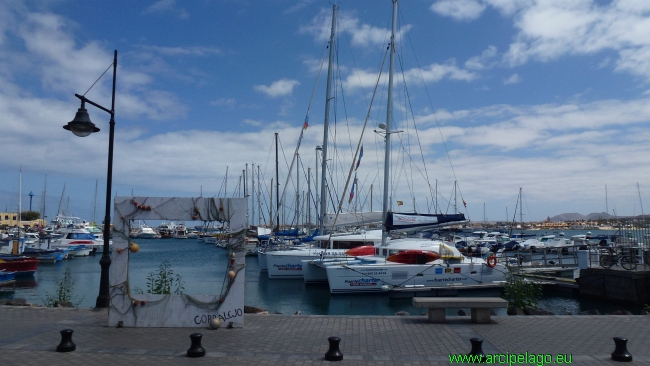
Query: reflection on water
203	269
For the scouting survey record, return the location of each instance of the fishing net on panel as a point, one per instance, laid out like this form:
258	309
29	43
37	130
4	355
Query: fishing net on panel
173	208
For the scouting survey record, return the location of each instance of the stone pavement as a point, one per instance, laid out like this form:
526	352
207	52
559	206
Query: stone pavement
29	336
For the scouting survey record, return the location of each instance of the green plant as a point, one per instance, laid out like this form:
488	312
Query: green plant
519	292
64	292
164	280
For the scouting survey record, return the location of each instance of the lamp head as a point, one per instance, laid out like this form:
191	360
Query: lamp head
81	125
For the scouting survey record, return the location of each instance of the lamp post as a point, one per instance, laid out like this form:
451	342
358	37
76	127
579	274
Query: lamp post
82	126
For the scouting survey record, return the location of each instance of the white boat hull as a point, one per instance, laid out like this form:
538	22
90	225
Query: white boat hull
288	263
261	261
370	278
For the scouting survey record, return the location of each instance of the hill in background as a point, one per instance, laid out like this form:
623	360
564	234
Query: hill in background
576	216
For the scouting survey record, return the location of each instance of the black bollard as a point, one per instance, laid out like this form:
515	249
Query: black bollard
334	354
477	349
66	344
620	353
196	350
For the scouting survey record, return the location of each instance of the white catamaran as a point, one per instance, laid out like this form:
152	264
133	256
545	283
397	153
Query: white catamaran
403	263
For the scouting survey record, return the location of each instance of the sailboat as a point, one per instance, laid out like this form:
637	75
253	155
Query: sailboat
294	263
411	262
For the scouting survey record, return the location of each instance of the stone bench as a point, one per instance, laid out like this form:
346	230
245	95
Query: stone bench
480	306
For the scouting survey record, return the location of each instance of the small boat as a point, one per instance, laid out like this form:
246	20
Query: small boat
362	250
79	250
22	266
252	244
414	257
6	277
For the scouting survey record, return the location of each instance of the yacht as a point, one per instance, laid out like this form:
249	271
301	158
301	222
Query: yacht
180	232
74	237
145	232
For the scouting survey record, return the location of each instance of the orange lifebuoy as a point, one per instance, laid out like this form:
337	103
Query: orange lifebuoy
492	261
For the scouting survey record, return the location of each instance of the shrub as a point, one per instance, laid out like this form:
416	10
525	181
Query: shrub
64	293
164	280
519	292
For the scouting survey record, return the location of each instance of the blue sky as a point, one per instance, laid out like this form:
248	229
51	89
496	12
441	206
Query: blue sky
548	95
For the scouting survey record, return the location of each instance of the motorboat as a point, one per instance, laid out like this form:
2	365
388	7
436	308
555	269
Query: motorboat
72	237
145	232
180	232
166	230
31	238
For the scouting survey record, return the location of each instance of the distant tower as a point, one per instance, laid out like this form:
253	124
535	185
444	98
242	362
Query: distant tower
31	195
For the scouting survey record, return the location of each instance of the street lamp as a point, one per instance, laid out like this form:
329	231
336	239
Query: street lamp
82	127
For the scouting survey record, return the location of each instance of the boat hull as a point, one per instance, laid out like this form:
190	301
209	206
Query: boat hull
288	264
372	278
21	267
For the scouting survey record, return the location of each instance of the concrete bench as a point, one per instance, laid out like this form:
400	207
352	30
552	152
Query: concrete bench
480	306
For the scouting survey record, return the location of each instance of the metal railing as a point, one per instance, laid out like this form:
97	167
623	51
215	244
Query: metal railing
568	256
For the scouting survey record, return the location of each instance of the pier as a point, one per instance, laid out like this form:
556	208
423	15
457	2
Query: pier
31	335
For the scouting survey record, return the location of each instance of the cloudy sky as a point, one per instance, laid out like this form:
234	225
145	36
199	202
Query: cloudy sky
548	95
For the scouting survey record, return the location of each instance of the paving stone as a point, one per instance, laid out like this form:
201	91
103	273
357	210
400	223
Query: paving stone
302	339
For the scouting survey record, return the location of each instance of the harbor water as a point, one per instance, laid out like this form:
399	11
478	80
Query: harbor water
203	271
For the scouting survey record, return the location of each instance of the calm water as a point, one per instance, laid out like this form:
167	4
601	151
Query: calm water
202	268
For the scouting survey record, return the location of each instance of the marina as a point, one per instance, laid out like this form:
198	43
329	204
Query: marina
202	267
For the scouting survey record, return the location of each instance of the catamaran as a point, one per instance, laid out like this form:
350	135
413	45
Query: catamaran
410	262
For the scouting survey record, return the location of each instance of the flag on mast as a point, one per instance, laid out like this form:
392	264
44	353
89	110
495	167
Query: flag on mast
360	156
306	124
352	190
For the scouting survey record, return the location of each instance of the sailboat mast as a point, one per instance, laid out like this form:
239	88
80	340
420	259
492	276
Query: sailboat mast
521	209
389	123
277	186
308	206
606	202
640	201
44	194
297	190
20	197
328	93
61	199
95	204
252	193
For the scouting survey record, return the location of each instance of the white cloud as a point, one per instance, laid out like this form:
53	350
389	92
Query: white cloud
430	73
167	6
512	79
548	30
484	61
362	35
182	51
252	122
229	102
280	88
459	9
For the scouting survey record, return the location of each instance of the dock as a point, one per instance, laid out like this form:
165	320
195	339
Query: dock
31	335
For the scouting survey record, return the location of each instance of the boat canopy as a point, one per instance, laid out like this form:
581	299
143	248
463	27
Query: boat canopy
407	221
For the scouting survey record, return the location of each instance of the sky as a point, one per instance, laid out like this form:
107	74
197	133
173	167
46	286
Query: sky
547	96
